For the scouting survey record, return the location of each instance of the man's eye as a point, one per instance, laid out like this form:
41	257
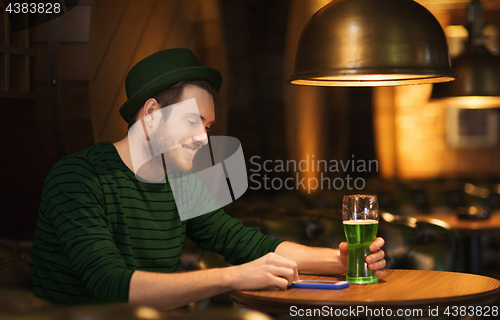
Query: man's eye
193	123
208	129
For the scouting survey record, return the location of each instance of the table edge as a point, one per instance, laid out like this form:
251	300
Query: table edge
483	298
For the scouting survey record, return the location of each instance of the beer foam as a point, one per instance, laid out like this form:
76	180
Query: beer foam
366	221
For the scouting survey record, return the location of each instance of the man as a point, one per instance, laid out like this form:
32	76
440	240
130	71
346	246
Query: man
105	234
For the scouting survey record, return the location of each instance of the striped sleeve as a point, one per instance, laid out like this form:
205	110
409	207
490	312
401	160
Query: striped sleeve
75	208
221	233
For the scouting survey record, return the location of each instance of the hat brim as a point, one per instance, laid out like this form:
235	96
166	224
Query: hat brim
165	81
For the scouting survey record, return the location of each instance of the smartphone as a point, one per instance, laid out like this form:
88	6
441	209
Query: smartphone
319	284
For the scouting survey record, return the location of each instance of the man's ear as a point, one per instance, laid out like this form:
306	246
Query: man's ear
148	111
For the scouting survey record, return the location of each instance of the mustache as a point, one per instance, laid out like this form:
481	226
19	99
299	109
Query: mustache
193	145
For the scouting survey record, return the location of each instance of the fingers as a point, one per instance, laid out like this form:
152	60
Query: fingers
278	282
344	253
376	260
280	261
377	244
380	273
375	256
291	265
296	275
282	268
376	265
268	271
284	273
344	248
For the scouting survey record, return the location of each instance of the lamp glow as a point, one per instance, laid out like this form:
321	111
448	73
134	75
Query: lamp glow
372	43
479	84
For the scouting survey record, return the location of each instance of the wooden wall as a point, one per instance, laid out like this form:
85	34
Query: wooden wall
411	128
124	32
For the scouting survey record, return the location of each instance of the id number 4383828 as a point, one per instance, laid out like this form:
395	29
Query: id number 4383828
33	7
462	311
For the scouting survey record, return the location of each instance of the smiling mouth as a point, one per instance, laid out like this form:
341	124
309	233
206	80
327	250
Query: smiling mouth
191	151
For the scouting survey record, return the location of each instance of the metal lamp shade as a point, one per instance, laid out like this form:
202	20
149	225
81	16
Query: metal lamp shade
479	82
372	43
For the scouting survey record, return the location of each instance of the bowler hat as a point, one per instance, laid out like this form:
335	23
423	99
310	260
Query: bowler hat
160	71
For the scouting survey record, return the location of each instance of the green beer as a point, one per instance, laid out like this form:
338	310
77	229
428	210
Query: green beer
360	234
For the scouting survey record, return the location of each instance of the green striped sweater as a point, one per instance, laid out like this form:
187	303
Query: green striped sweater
97	224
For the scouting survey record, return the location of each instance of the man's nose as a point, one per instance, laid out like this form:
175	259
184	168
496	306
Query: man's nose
201	137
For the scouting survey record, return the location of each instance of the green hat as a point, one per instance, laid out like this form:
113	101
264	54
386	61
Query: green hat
160	71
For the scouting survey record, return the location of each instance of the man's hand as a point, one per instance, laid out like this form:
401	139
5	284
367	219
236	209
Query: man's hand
271	270
165	291
375	260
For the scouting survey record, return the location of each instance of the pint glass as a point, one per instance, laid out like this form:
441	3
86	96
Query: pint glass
360	219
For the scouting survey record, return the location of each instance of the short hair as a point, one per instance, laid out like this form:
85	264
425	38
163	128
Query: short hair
172	94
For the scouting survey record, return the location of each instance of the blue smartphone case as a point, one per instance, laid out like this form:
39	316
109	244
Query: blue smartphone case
319	284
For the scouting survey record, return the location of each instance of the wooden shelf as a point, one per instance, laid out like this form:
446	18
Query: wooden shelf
15	61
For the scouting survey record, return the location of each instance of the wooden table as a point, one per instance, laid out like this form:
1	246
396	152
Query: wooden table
470	231
419	291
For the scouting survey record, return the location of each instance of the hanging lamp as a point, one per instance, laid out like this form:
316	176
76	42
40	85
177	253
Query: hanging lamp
372	43
479	84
